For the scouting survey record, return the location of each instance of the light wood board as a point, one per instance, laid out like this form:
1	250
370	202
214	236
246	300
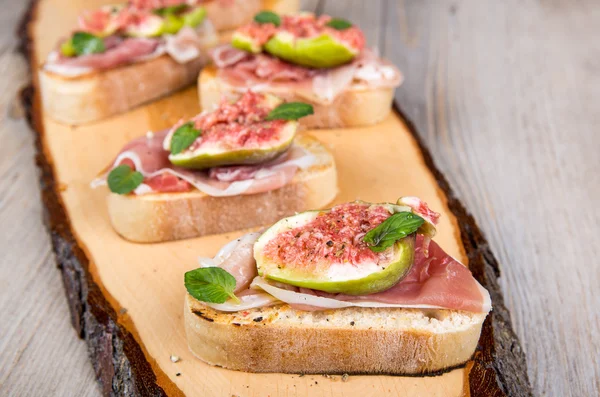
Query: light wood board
147	280
545	50
378	163
72	186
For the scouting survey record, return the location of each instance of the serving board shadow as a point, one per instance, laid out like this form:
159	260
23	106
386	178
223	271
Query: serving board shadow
126	299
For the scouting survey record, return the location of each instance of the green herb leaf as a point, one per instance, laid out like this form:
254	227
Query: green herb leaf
394	228
210	284
339	24
183	137
268	17
171	10
85	43
291	111
123	179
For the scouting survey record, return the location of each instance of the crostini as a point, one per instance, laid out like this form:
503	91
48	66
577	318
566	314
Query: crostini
236	167
320	60
121	56
359	288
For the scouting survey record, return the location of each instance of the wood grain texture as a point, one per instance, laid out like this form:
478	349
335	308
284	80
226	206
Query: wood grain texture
97	265
509	113
505	95
40	353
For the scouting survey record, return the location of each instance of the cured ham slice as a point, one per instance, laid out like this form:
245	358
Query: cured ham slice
226	55
119	52
237	259
186	45
437	281
146	155
262	72
421	208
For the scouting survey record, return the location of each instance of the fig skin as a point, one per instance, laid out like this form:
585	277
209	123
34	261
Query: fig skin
243	156
319	52
245	43
375	282
236	157
382	280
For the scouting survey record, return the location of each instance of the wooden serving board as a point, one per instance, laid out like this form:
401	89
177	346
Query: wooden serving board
126	299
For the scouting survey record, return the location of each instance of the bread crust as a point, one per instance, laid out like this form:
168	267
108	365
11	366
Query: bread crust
357	106
351	340
94	96
173	216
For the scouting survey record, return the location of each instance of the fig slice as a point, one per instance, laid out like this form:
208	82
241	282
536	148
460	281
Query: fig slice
304	39
323	51
236	134
216	155
246	43
325	251
147	26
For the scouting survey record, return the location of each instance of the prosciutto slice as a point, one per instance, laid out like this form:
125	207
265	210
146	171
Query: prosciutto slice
146	155
118	52
262	72
237	258
435	281
185	46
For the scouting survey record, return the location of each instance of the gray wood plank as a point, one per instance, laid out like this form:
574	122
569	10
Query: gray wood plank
40	354
310	5
505	95
366	14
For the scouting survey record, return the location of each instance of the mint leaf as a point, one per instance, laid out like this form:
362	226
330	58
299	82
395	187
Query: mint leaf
183	137
291	111
171	10
124	180
268	17
86	43
339	24
394	228
210	284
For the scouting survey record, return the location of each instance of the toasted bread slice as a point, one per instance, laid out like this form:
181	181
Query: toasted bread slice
241	12
357	106
352	340
94	96
173	216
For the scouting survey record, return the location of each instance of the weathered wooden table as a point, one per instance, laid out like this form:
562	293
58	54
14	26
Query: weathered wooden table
504	95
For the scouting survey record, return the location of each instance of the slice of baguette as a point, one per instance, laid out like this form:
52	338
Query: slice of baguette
94	96
352	340
173	216
358	106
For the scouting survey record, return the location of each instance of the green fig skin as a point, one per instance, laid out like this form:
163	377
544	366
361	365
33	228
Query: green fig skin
200	159
67	48
172	24
245	43
319	52
387	277
375	282
194	17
